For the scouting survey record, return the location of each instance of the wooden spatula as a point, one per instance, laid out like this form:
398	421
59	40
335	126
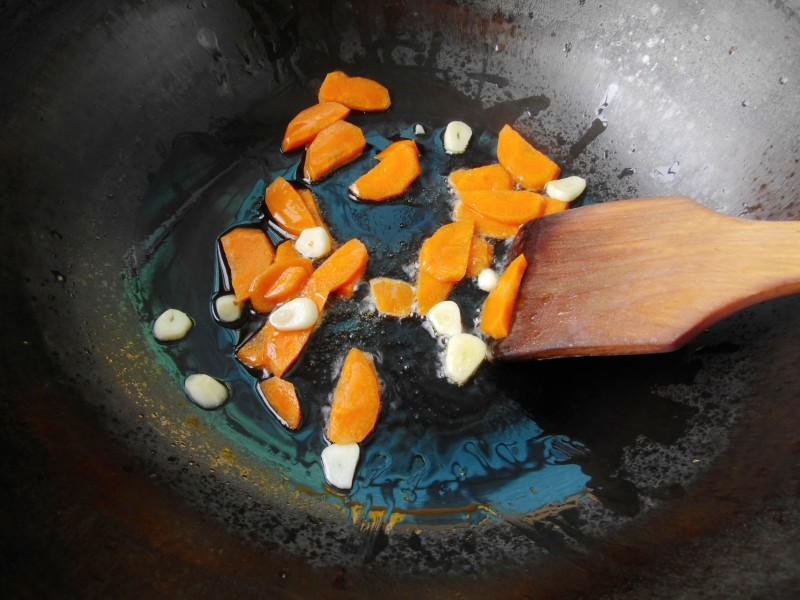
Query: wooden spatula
642	276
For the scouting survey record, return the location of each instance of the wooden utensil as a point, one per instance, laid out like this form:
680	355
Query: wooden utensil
642	276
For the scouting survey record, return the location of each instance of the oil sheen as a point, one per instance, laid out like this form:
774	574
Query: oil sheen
440	454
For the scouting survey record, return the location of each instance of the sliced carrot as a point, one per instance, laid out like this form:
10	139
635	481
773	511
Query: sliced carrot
491	177
430	291
282	281
358	93
287	207
529	167
281	397
551	205
334	146
445	254
392	296
275	350
348	288
248	253
286	251
481	253
398	169
411	144
312	206
509	207
483	225
356	400
309	122
340	267
498	308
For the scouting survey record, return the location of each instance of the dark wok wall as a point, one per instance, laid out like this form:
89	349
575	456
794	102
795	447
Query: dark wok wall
92	97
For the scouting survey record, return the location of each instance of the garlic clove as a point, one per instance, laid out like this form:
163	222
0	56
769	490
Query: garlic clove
445	318
172	325
339	462
567	189
295	315
313	242
456	137
462	357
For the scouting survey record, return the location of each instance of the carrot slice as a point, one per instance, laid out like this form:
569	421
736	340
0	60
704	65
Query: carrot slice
334	146
275	350
287	207
358	93
286	251
282	281
511	208
398	169
356	400
445	254
348	288
491	177
248	253
340	267
309	122
481	253
392	296
281	398
411	144
483	225
551	205
498	308
312	206
430	291
529	167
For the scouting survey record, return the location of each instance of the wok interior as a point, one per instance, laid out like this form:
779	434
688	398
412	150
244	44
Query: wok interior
642	100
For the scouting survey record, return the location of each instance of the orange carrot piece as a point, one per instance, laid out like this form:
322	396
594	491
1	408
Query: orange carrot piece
356	400
275	350
511	208
551	205
334	146
282	281
483	225
348	288
248	253
287	207
398	169
529	167
498	308
312	206
281	397
392	296
491	177
309	122
340	267
411	144
445	254
357	93
481	253
286	251
430	291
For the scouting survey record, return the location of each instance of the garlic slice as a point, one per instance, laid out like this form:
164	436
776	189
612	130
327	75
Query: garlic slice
462	357
295	315
339	462
445	318
205	391
487	279
172	325
313	242
228	310
456	137
566	189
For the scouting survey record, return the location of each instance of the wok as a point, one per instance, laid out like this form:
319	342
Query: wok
114	485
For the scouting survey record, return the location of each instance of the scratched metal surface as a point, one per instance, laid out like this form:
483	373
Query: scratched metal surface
114	486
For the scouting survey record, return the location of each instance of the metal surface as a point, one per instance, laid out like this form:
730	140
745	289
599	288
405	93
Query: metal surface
114	486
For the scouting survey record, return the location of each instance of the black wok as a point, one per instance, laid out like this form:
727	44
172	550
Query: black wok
113	485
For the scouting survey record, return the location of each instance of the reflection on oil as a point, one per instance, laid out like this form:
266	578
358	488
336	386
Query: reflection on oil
516	439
